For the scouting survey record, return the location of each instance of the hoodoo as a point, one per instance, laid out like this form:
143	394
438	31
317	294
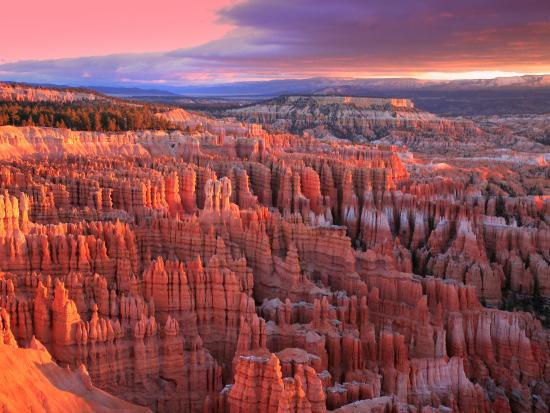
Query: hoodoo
170	243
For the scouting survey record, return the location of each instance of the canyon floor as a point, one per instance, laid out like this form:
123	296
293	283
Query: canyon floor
223	265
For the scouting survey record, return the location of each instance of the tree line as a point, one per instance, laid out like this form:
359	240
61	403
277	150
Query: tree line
104	116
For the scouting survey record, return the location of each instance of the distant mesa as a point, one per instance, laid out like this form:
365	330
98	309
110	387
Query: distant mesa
358	119
360	102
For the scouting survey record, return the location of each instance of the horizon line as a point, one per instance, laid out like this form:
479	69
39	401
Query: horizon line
427	76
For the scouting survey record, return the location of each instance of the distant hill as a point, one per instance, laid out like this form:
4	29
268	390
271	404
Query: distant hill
506	95
20	92
12	91
131	91
479	97
357	119
323	85
75	108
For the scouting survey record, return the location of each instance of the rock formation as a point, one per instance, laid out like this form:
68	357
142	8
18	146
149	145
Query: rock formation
32	382
25	93
225	268
356	118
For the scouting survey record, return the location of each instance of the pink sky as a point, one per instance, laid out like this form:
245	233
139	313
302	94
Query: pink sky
45	29
177	42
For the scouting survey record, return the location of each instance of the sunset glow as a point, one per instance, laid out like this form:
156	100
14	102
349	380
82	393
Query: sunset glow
174	42
489	74
67	29
274	206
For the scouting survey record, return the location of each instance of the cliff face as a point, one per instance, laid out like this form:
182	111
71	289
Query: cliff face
32	382
359	102
19	93
228	269
357	119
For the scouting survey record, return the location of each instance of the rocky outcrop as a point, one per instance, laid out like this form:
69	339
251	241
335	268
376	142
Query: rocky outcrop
260	387
225	268
33	382
354	118
26	93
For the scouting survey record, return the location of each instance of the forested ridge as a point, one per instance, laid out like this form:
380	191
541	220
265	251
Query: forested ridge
105	116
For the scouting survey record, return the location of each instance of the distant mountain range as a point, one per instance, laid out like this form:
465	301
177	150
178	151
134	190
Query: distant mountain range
500	96
504	95
131	91
353	86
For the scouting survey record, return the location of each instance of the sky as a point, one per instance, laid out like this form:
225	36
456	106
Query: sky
182	42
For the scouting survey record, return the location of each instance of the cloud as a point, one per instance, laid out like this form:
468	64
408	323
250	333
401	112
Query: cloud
299	38
384	34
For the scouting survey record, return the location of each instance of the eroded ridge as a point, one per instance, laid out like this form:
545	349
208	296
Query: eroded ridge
222	268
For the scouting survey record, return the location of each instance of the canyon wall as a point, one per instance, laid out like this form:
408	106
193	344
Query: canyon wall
32	382
25	93
229	269
360	102
358	119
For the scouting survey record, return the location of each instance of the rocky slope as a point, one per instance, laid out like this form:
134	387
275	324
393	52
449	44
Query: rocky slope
356	119
535	128
32	382
27	93
398	122
223	268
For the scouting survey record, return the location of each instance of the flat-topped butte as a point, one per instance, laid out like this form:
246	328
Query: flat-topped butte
362	102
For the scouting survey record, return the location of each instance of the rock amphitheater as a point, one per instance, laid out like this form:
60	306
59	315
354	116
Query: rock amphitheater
235	270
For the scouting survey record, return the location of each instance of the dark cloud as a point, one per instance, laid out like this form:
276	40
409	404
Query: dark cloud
329	37
384	33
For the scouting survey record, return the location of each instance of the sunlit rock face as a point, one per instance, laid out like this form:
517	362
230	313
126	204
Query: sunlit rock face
360	119
22	93
32	382
224	268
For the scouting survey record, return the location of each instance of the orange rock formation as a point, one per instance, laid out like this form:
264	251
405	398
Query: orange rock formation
234	270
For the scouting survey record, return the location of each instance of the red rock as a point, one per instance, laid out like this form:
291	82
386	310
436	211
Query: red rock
232	269
260	387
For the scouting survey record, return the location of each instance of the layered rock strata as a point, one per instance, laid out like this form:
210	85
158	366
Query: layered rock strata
232	269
